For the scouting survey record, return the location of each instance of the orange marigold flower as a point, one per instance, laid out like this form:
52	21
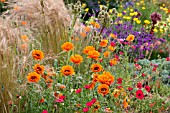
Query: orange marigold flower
48	80
24	46
96	106
16	8
67	70
130	38
96	67
87	49
113	35
93	54
110	48
95	77
92	23
125	104
62	87
67	46
116	93
42	100
104	43
83	34
33	77
37	54
113	61
23	22
106	78
106	54
77	59
87	29
24	38
103	89
3	0
97	25
39	68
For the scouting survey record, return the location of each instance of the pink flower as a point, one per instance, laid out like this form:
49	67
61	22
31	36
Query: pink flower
133	47
112	44
119	81
89	104
59	100
147	88
87	86
44	111
62	97
143	74
117	57
168	59
139	85
85	109
78	91
119	87
93	100
121	53
100	60
154	69
130	88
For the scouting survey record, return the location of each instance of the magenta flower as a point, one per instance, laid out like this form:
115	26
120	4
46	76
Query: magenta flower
78	91
44	111
85	109
89	104
87	86
59	100
139	85
62	97
93	100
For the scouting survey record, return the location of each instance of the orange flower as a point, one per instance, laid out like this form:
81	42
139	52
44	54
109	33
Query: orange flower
62	87
110	48
48	80
67	70
67	46
39	68
87	29
97	25
113	61
106	54
104	43
116	93
96	106
33	77
96	67
24	46
113	35
23	23
106	78
92	23
24	38
95	77
93	54
103	89
37	54
125	104
91	85
16	8
42	100
87	49
83	34
130	38
77	59
3	0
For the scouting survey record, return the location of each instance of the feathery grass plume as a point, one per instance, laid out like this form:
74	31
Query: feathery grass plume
46	19
7	66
